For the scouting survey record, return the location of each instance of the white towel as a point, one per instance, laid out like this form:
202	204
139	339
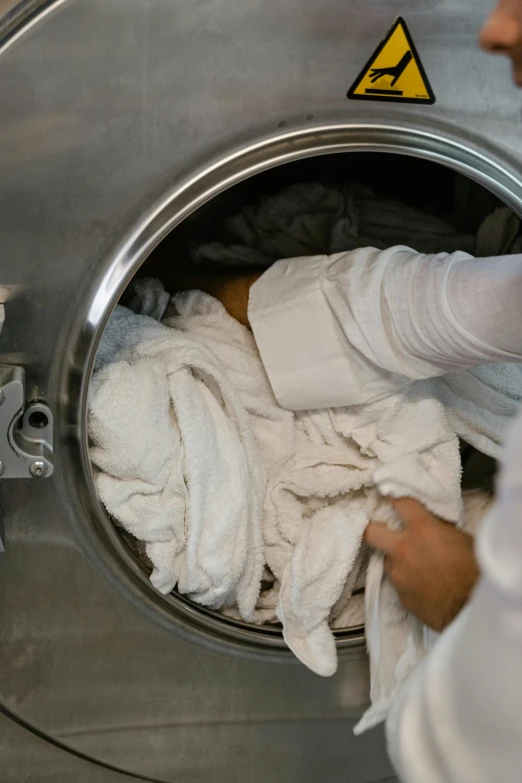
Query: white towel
417	456
323	467
306	495
185	428
178	466
315	514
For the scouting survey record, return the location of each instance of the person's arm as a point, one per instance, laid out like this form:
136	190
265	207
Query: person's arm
458	718
350	328
345	329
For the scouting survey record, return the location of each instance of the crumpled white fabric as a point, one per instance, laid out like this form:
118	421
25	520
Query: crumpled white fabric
177	463
307	482
197	459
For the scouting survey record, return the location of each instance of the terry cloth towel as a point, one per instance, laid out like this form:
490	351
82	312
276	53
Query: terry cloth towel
309	474
188	441
479	403
177	463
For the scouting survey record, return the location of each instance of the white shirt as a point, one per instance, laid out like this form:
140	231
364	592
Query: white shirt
345	329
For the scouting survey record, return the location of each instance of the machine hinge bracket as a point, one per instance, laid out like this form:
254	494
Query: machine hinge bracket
26	434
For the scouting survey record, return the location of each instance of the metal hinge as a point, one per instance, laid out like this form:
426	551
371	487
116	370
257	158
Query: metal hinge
26	436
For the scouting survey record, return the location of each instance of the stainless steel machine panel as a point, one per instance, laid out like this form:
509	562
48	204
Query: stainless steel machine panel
119	117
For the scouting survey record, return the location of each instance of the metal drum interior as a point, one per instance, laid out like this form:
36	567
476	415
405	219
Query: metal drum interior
427	185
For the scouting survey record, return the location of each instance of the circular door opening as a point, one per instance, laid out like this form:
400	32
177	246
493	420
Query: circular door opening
395	198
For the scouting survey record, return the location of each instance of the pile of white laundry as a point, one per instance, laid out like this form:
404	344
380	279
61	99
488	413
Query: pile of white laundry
229	492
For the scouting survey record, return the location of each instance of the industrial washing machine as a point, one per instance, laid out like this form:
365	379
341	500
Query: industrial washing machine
119	120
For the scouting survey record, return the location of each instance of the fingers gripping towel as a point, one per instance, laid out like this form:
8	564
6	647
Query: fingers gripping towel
415	454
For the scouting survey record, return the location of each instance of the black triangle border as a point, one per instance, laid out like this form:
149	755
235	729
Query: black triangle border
393	99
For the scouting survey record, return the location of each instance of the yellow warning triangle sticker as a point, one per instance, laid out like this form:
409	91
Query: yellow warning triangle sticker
394	71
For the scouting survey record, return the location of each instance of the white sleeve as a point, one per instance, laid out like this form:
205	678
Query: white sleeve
458	719
350	328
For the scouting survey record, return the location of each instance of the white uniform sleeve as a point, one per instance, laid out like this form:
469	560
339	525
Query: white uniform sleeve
345	329
458	719
349	328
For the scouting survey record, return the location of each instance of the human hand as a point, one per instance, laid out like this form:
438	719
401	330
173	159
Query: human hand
431	564
502	34
232	289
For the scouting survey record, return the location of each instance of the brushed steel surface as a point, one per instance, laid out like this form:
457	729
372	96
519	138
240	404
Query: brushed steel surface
26	758
6	6
119	117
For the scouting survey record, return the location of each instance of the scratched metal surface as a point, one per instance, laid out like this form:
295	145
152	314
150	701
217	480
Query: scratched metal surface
107	105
